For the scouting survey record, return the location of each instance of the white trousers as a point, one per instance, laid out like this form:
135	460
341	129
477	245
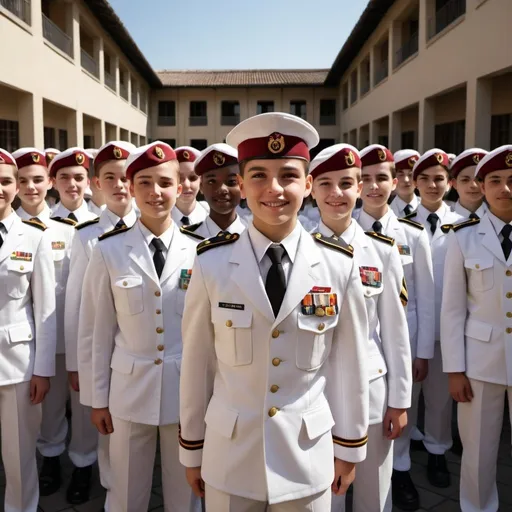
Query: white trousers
104	466
132	457
438	407
219	501
480	423
20	422
54	426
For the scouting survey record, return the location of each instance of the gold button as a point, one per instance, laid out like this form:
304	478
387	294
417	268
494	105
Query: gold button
22	267
509	330
380	370
125	283
274	388
160	347
508	273
321	327
509	315
276	361
509	295
158	311
158	361
477	266
275	333
30	336
159	330
157	293
229	323
272	411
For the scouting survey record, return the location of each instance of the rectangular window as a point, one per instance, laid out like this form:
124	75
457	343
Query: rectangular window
450	137
328	112
89	141
264	106
408	140
199	144
324	143
198	113
383	140
501	130
166	113
49	137
63	140
298	108
230	113
9	135
171	142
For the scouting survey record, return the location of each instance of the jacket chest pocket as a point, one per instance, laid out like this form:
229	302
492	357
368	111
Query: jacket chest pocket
372	292
233	336
128	295
179	303
59	263
18	278
314	340
480	274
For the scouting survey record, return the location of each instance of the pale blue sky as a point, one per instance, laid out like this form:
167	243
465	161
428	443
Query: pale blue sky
239	34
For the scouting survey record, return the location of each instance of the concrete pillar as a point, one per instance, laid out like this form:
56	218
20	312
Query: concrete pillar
75	127
74	26
372	68
118	133
395	41
478	113
99	55
117	73
423	25
35	17
426	125
129	84
99	133
395	131
374	132
31	121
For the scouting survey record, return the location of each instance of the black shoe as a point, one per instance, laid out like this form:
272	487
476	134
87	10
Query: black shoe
437	471
49	477
405	495
417	446
457	446
80	485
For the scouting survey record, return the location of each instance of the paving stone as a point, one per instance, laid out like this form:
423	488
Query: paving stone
447	506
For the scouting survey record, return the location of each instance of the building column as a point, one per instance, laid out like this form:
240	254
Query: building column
99	133
99	55
478	113
395	41
117	74
74	30
129	86
374	132
395	131
35	17
426	125
423	25
118	133
31	121
75	127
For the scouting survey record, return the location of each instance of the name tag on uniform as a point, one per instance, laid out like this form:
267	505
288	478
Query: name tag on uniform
370	276
21	256
58	246
230	305
185	275
320	304
404	250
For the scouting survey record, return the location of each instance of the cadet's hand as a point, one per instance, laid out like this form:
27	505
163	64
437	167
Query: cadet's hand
195	481
73	381
394	423
39	387
344	475
460	388
102	420
419	369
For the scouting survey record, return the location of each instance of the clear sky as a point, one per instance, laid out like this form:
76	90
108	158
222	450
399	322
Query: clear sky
239	34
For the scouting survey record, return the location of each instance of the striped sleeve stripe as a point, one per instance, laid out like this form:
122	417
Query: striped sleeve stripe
189	445
350	443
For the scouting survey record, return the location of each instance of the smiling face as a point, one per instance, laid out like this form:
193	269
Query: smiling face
221	189
467	187
189	182
378	183
34	183
71	183
497	187
113	184
8	188
432	184
405	184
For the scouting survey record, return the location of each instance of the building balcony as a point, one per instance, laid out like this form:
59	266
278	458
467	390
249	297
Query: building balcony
408	49
110	81
20	9
123	91
88	63
166	120
445	16
381	72
53	34
230	120
198	121
328	120
365	86
135	99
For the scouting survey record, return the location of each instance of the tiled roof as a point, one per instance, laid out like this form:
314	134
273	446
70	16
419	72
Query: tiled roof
243	78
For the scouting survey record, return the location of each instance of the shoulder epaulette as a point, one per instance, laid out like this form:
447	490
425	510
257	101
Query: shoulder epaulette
34	224
192	227
381	238
413	223
411	215
64	220
87	223
334	243
186	230
113	232
445	228
222	238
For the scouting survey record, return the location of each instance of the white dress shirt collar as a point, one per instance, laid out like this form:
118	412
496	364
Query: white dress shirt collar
260	243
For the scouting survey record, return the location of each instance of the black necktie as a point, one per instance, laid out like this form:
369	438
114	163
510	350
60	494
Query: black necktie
377	226
120	224
275	285
506	245
1	238
433	219
408	209
185	220
158	257
72	216
473	216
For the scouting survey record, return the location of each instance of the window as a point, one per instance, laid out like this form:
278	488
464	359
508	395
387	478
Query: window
264	106
450	137
353	87
89	141
345	96
298	108
447	11
230	113
383	140
166	113
408	140
9	135
324	143
198	113
171	142
199	144
501	130
49	137
327	112
63	140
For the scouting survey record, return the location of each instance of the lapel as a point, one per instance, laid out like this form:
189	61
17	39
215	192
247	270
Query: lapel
490	240
105	222
176	255
139	252
13	239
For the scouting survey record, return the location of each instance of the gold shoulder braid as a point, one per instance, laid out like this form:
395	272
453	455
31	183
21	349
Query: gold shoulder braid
222	238
381	238
334	243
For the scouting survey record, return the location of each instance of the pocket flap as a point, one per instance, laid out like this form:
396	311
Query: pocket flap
122	362
129	282
317	324
221	419
235	317
478	330
318	422
20	266
58	255
478	263
19	333
371	291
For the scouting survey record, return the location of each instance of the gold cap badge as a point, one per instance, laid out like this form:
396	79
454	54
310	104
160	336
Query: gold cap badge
439	158
35	158
50	156
186	155
118	153
159	153
276	143
80	158
508	160
350	159
382	155
219	159
412	161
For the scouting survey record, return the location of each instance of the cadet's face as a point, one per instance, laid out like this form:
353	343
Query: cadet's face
467	186
432	184
114	184
275	189
34	182
71	183
190	182
377	184
405	183
497	187
156	189
336	192
221	189
8	186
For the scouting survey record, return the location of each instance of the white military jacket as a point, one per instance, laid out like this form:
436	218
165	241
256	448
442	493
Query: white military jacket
82	213
382	277
464	212
86	237
413	246
476	323
61	233
27	302
208	228
398	205
136	338
273	400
